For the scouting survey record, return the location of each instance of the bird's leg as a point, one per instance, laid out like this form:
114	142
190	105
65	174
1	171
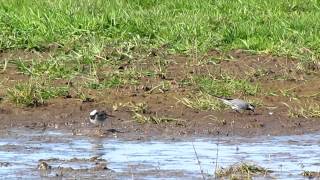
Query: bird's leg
110	124
237	110
100	127
252	112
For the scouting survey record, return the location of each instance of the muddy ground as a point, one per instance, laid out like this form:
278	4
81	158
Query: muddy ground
276	74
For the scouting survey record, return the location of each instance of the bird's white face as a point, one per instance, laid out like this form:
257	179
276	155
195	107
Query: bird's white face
94	112
92	116
251	107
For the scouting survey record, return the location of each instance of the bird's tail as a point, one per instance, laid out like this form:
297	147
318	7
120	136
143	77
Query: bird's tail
110	115
224	100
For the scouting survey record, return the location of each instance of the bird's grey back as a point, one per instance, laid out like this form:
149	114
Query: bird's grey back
240	103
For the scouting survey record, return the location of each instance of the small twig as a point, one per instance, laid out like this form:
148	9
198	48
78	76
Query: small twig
5	65
217	156
313	95
99	57
195	152
154	88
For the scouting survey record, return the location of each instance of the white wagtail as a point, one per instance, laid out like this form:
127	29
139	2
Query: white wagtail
237	104
98	117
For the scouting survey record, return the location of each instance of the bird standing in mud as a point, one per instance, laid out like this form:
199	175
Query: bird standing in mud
98	117
237	104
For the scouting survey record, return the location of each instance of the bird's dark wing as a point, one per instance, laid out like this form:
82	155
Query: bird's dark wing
229	99
222	97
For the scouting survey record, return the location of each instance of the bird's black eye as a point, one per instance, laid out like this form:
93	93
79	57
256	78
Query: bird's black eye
92	116
252	105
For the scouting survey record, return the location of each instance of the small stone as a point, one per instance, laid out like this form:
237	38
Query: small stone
44	166
101	166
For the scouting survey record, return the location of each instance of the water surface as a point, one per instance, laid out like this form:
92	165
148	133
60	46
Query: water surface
287	156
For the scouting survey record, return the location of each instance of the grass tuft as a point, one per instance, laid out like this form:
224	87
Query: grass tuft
34	93
202	101
51	68
152	119
225	86
115	79
310	110
242	171
311	174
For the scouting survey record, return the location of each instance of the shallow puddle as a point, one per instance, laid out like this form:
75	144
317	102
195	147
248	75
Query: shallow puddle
21	150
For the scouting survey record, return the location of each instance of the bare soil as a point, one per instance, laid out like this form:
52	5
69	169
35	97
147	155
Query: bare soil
275	74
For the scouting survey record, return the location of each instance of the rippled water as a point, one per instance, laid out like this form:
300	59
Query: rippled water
287	156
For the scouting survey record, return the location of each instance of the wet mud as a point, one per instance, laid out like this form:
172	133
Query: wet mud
272	73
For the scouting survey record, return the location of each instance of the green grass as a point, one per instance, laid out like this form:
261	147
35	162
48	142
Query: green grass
51	68
202	101
280	27
115	79
225	86
208	88
34	93
140	118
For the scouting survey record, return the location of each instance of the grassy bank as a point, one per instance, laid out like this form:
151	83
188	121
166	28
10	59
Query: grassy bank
281	27
88	46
